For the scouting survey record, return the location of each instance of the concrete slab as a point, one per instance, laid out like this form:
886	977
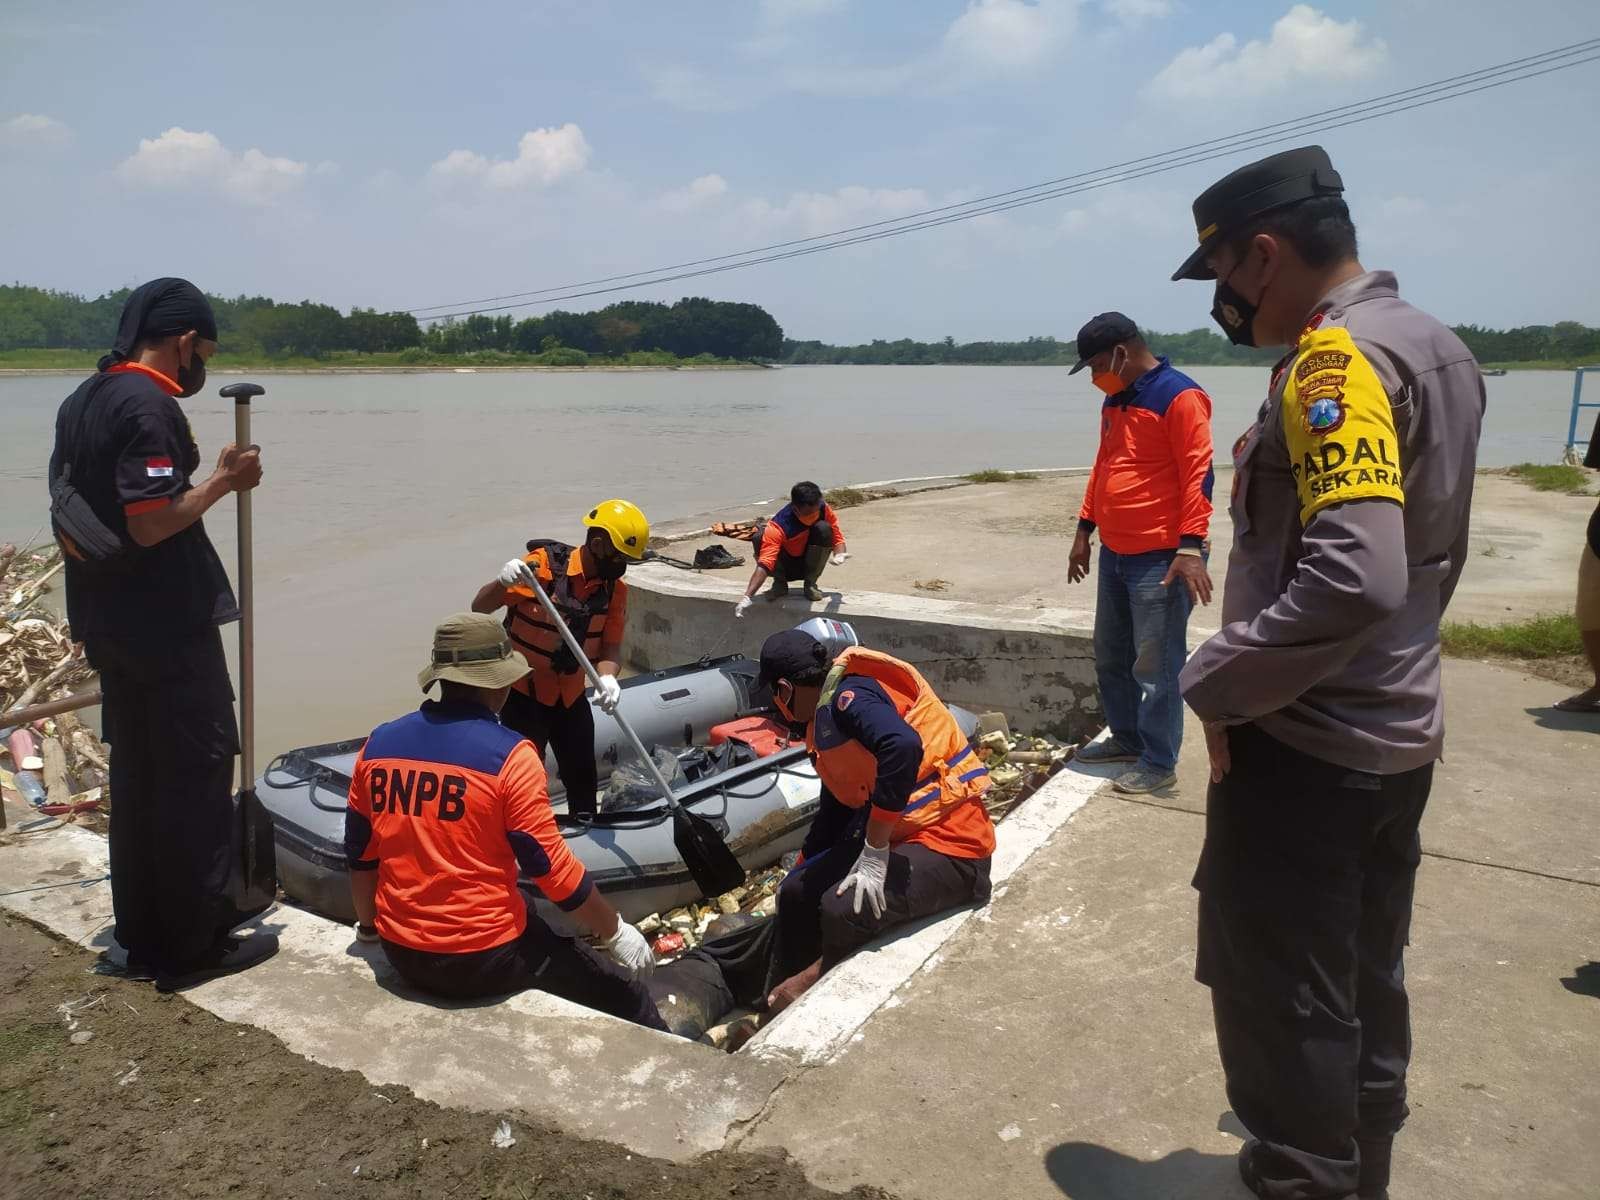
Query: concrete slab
1006	544
1063	1048
1035	665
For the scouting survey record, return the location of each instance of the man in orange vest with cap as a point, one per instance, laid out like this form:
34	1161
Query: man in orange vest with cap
447	809
585	583
902	832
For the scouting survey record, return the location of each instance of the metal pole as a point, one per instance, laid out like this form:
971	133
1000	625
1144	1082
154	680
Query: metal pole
241	394
1577	403
247	613
532	580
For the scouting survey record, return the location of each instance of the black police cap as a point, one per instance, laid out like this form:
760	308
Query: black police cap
1100	334
1274	182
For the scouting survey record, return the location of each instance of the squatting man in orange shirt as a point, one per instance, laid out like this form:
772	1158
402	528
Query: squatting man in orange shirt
447	809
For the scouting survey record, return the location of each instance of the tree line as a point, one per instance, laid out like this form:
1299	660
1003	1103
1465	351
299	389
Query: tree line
1564	342
255	326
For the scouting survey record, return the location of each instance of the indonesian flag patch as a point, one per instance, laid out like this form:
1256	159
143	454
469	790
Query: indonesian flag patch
158	468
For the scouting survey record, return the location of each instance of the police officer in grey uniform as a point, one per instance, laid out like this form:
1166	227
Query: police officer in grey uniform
1321	693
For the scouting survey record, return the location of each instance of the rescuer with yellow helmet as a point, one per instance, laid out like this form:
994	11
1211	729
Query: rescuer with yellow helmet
585	583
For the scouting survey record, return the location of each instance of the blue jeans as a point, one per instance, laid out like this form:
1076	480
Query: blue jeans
1139	647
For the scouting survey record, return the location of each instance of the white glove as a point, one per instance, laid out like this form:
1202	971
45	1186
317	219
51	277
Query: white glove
630	951
838	559
362	934
743	606
608	693
867	877
511	573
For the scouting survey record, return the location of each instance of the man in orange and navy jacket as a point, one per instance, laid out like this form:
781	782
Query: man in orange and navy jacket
902	832
1149	497
447	808
585	583
149	619
798	543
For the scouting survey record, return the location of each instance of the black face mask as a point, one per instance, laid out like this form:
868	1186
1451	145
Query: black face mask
610	567
1235	315
193	377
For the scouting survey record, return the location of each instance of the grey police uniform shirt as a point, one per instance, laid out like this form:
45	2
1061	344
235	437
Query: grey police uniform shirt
1350	505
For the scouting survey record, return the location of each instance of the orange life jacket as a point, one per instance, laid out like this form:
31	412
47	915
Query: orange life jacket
945	810
584	604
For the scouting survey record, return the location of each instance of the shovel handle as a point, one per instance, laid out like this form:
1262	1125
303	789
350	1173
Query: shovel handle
241	394
532	581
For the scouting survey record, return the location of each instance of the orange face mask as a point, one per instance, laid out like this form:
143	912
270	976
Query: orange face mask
1109	382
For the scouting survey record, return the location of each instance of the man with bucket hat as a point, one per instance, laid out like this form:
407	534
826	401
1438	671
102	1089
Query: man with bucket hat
447	809
1321	692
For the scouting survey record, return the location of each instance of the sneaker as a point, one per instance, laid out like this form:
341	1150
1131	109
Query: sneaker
1108	751
1142	780
231	956
814	593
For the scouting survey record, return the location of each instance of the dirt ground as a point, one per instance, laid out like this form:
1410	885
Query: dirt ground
167	1100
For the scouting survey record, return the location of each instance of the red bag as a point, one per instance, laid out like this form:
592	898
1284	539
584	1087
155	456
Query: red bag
762	734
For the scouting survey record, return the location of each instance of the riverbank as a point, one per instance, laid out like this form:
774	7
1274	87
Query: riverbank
1004	545
24	363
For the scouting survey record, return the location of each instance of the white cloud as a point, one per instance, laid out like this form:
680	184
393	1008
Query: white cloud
1138	12
1305	47
1007	35
543	157
823	212
181	159
694	193
32	129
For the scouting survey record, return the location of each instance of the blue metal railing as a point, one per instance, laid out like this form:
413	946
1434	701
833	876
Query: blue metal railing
1573	440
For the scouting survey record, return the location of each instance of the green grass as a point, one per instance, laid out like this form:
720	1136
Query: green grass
849	497
1551	636
994	475
1555	477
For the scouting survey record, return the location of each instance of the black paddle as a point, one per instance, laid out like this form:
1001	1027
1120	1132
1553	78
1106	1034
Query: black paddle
710	862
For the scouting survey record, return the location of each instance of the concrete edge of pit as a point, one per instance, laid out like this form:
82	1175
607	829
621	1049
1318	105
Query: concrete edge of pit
1036	665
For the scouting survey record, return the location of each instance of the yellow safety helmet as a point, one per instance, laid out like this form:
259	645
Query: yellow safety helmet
628	527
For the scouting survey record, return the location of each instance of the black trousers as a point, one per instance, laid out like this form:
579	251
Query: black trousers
815	923
568	729
541	958
1305	887
168	714
809	564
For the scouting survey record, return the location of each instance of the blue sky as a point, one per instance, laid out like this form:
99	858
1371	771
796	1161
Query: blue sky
402	154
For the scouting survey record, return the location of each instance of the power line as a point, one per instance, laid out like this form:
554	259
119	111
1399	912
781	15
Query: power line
1359	112
1322	115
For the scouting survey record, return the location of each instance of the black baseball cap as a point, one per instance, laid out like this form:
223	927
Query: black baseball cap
791	655
1100	334
1259	187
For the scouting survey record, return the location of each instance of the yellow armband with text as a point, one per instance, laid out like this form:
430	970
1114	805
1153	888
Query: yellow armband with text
1339	426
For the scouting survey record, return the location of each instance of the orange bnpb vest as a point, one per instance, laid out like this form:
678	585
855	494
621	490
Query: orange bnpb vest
556	677
945	810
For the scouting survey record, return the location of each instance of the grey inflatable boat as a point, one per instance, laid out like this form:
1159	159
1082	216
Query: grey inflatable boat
762	805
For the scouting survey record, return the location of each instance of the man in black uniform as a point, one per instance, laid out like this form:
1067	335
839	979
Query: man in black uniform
1320	694
148	619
